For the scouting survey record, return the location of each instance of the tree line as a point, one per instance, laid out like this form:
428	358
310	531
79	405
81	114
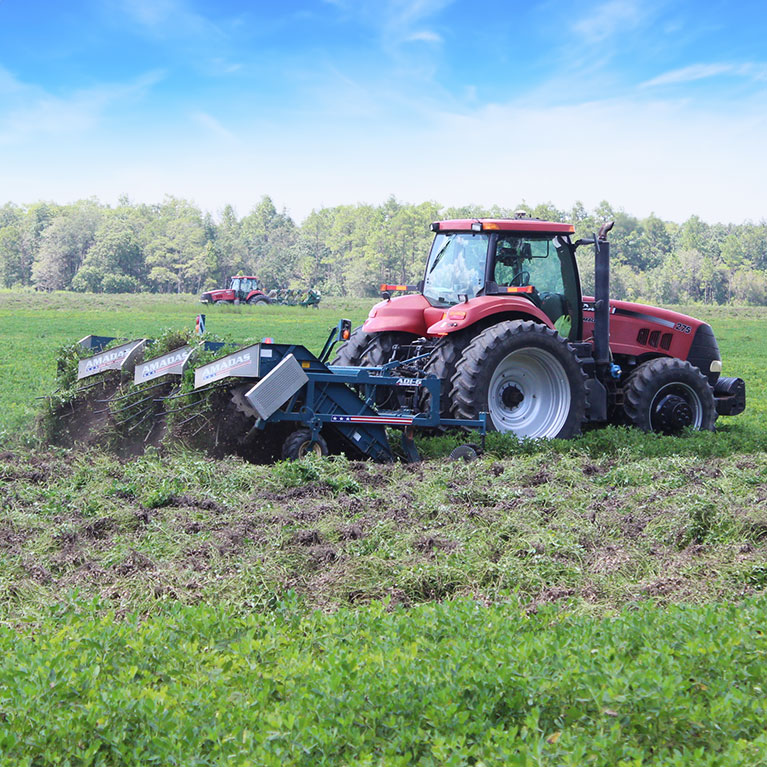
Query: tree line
174	246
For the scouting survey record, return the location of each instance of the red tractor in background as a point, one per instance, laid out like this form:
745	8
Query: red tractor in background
500	319
244	290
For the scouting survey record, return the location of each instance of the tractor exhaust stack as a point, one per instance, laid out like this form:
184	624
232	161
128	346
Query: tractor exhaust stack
602	301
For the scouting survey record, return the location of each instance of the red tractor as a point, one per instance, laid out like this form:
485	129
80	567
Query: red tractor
241	290
500	319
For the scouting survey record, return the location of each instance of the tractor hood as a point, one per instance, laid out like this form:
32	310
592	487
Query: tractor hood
650	331
211	296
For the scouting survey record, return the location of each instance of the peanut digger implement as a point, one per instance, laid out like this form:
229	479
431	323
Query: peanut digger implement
270	383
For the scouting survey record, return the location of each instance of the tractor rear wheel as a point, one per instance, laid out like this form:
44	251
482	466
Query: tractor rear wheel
350	351
299	445
442	363
258	300
380	347
526	377
666	395
379	351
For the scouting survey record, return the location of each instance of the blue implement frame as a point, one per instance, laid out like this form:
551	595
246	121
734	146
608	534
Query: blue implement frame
343	399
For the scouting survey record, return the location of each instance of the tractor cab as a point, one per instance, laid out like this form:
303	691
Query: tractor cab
243	287
530	261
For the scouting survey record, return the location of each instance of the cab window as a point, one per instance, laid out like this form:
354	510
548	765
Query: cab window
546	265
456	267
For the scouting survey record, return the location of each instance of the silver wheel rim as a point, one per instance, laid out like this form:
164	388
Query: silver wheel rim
538	381
688	394
309	448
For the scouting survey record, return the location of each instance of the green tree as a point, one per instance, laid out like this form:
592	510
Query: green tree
177	247
270	238
654	244
64	245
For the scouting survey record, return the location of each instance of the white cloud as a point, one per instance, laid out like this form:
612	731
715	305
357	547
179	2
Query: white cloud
424	36
397	21
610	18
169	19
213	126
672	157
33	112
753	71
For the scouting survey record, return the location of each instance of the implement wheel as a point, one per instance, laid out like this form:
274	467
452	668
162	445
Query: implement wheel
667	395
300	445
526	377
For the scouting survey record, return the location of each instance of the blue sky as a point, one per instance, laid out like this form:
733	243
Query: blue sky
654	106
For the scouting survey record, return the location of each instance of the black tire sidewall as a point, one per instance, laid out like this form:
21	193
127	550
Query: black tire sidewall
650	377
350	351
291	448
472	384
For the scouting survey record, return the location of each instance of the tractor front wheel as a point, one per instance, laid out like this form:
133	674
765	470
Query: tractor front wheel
526	377
300	445
667	395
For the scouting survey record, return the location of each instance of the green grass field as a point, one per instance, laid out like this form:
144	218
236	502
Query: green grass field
599	601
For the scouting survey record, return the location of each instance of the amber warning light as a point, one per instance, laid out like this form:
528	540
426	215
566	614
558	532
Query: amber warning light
399	287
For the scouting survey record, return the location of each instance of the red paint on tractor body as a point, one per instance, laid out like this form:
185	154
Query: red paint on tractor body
635	329
405	314
503	225
476	309
414	314
229	294
639	330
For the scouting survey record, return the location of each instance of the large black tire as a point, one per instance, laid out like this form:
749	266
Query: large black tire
380	347
256	300
299	445
350	352
526	377
666	395
443	363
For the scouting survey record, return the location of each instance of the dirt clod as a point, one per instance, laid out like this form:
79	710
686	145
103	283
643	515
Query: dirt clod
306	538
429	544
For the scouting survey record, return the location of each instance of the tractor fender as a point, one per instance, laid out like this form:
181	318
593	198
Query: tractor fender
475	310
403	314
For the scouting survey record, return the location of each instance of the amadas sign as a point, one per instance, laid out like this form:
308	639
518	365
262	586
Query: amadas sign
170	364
242	364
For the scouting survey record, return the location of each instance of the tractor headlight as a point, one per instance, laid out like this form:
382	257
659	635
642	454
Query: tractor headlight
716	366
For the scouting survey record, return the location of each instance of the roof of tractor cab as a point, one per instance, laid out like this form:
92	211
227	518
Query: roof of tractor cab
243	277
503	225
